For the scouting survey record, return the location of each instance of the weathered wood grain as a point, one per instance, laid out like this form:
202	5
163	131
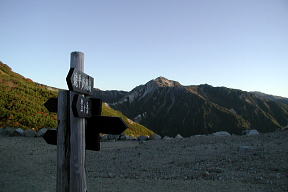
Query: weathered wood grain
77	137
63	143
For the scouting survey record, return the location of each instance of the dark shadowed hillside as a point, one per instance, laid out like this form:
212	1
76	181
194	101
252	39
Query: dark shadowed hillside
111	96
169	108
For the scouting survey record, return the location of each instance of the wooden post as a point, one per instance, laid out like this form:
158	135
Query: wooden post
71	174
77	181
71	144
63	143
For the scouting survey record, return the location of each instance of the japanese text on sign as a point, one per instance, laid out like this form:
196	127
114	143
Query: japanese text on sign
81	82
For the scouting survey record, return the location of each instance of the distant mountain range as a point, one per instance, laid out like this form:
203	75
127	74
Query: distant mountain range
21	104
164	106
169	108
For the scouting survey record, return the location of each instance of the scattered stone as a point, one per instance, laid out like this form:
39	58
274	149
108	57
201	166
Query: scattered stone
12	131
250	132
20	132
9	131
41	132
216	170
110	175
130	137
29	133
104	138
206	174
221	133
113	137
142	142
245	148
278	175
143	138
155	137
178	136
167	138
123	137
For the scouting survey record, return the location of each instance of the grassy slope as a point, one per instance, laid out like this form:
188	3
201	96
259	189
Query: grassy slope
21	104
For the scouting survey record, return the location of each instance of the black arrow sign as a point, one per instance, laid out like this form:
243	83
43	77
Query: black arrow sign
95	125
92	141
81	106
51	104
96	106
51	136
85	107
79	82
107	125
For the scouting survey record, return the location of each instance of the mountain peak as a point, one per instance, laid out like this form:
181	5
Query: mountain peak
164	82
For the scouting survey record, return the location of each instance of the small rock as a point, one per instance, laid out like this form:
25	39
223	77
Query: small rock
178	136
245	148
123	137
113	137
167	138
110	175
20	131
278	175
216	170
250	132
9	131
143	138
221	133
41	132
104	138
142	142
131	138
197	136
206	174
29	133
155	137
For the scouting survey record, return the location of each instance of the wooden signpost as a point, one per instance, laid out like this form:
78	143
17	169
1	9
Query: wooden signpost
79	82
79	125
81	106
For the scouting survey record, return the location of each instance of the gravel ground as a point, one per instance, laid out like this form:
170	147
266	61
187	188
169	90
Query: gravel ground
200	163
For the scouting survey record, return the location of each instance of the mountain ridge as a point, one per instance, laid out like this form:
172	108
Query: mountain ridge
169	108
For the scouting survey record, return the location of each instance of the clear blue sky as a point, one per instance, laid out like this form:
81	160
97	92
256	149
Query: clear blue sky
234	43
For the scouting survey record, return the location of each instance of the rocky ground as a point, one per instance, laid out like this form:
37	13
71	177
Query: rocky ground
200	163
